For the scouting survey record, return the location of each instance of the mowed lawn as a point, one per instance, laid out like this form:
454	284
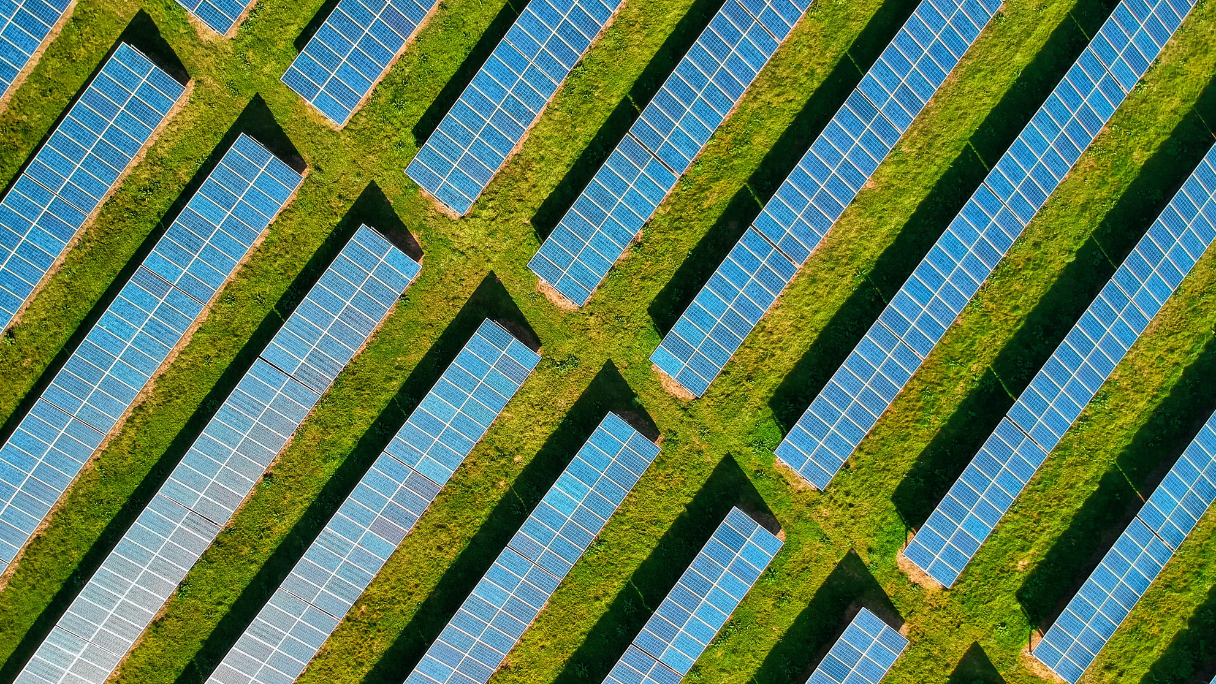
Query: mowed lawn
841	546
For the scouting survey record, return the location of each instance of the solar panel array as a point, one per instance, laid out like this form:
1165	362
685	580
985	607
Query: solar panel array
862	655
963	257
78	166
1127	570
148	319
672	130
506	97
219	15
233	451
1070	378
24	25
827	178
381	511
693	612
527	572
351	52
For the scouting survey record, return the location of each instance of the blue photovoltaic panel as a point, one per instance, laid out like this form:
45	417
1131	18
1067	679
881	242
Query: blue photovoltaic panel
352	51
699	605
672	130
862	655
506	97
139	329
233	451
812	198
963	257
219	15
561	527
80	163
1070	378
24	24
1139	554
381	511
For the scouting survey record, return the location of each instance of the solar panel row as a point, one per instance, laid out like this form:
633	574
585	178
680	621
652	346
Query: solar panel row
24	25
78	166
527	572
506	97
1127	570
693	612
381	511
219	15
673	129
840	161
863	654
963	257
147	320
1070	378
233	451
352	51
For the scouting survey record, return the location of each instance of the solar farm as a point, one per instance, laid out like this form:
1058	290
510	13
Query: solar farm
634	341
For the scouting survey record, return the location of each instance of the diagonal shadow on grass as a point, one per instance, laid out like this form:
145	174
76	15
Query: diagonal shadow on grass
975	668
1191	656
489	300
608	391
849	587
310	29
726	486
777	164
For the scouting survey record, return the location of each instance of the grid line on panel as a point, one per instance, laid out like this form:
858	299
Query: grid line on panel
828	177
948	277
80	163
526	573
505	98
381	511
219	15
863	654
138	330
672	130
1070	378
234	449
24	25
351	52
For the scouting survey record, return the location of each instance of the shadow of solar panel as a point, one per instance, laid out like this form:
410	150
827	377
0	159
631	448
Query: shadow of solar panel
78	166
862	655
352	51
135	335
672	130
1127	570
963	257
699	605
381	511
825	181
228	457
219	15
558	531
1062	388
506	97
24	25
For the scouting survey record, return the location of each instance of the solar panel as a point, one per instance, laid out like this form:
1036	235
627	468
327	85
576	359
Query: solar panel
1127	570
81	162
699	605
1068	381
672	130
168	293
506	97
219	15
381	511
963	257
233	451
557	532
24	26
825	181
862	655
352	51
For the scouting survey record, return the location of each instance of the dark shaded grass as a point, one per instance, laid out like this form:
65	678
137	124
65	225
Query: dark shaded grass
975	668
314	24
1191	656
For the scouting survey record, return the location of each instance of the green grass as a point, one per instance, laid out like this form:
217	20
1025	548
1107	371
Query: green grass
841	546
